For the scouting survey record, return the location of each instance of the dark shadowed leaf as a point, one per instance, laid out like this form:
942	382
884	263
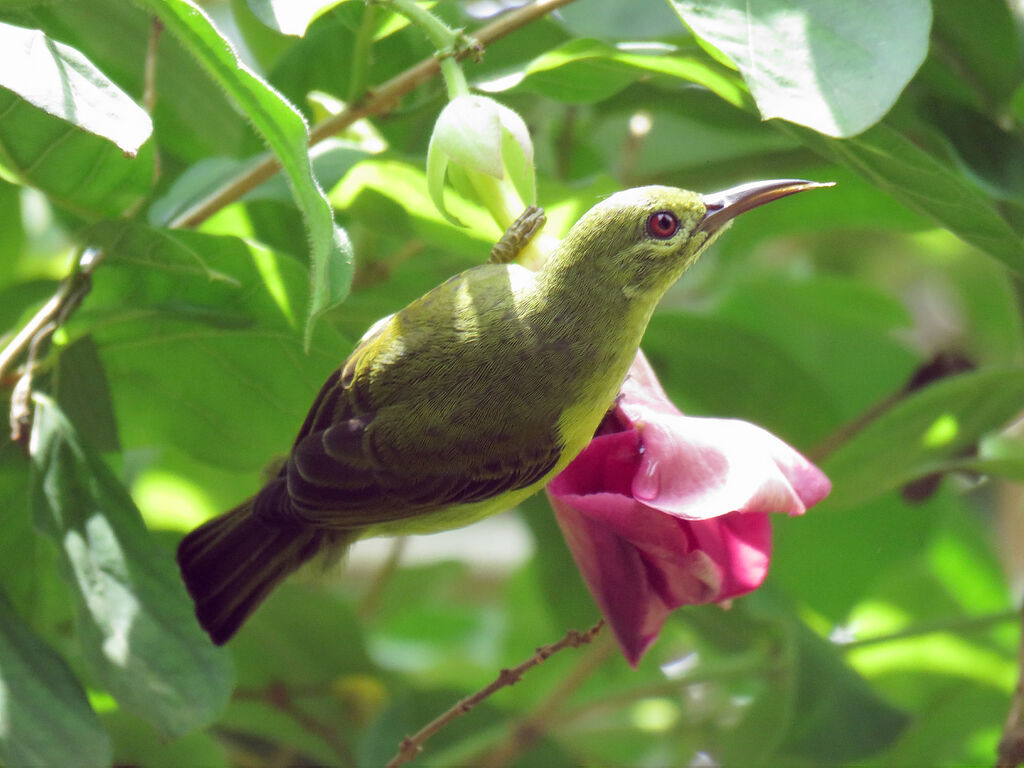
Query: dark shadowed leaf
134	619
926	185
12	232
77	170
82	390
921	432
45	717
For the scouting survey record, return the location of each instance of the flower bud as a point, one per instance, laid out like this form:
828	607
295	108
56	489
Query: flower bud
476	140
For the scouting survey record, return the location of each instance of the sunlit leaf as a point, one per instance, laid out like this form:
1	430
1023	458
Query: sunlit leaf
134	619
77	170
290	17
285	131
209	326
583	71
61	81
834	66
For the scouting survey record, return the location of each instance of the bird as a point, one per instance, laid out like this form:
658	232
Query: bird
468	400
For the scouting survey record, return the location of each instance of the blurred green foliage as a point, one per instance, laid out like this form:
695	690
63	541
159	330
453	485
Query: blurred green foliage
885	634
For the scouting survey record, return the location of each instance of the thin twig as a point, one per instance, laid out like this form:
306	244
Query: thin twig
524	734
149	85
411	745
69	293
1010	752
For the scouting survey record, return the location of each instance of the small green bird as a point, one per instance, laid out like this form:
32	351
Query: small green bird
465	402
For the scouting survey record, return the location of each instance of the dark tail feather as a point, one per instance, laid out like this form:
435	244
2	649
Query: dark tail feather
232	562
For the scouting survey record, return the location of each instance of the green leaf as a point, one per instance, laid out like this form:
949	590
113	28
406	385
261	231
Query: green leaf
834	66
208	326
560	582
134	620
290	17
301	635
137	744
191	117
837	717
583	71
999	454
12	232
286	133
742	374
807	702
933	652
81	389
926	185
615	20
28	573
807	571
980	43
840	330
79	171
62	82
919	433
406	185
45	717
306	638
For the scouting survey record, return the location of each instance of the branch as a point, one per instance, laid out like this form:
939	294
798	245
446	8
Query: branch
524	734
411	745
51	316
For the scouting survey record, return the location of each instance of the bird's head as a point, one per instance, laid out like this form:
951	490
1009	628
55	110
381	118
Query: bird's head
643	239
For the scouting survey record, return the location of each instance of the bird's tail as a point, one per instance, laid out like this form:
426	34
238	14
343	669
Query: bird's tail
232	562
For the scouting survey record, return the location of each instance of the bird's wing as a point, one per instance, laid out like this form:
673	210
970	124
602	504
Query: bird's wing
334	479
372	452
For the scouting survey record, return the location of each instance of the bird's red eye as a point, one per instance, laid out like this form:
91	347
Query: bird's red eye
662	225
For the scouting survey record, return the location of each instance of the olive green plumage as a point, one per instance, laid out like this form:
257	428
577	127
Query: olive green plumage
460	405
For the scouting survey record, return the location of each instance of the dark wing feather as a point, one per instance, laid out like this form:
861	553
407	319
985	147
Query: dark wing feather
383	442
334	479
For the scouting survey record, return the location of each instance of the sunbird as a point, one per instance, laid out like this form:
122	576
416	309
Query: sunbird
466	401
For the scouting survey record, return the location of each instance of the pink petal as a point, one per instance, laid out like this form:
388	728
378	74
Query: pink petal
642	388
701	468
663	510
607	464
740	545
615	574
640	564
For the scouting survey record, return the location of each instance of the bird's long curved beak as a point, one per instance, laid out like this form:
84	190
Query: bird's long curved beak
723	207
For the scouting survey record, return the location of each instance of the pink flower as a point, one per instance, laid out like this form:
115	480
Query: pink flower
662	510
